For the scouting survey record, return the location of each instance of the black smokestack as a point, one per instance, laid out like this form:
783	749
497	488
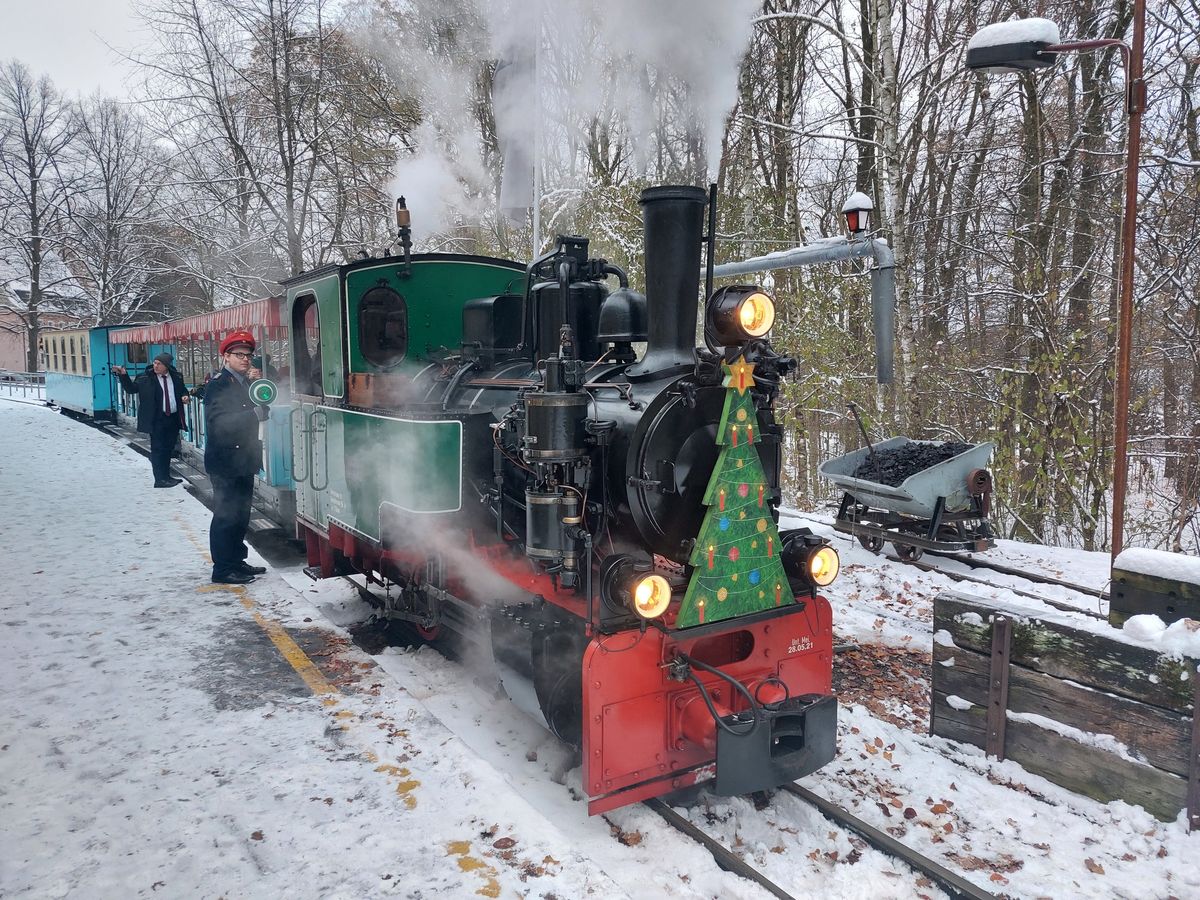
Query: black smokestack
673	219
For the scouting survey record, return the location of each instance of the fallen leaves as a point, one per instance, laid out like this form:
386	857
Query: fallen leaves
892	682
256	836
1094	867
628	838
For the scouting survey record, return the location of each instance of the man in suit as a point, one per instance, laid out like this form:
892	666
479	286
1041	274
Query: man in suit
161	398
232	457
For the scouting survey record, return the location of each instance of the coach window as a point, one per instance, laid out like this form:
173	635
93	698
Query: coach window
306	346
74	362
383	326
83	357
137	353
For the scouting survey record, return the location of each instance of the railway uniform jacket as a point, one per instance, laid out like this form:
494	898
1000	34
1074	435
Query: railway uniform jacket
150	399
232	446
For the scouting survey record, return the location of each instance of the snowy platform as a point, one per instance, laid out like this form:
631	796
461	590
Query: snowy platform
165	738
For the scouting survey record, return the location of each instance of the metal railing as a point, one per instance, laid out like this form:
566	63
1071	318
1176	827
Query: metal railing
26	385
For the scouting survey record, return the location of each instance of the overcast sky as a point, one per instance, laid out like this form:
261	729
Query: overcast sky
66	39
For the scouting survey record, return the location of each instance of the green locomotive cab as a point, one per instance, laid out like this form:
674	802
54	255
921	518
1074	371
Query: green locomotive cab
367	443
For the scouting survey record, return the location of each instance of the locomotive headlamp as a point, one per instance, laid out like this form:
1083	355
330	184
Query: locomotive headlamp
738	314
757	314
823	566
651	596
629	585
808	559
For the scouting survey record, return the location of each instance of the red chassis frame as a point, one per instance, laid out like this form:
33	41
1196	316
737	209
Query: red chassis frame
644	734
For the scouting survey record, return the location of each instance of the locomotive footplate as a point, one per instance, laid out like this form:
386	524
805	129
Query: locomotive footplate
788	740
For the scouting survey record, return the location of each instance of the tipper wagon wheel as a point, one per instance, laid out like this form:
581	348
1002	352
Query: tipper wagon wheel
872	542
907	552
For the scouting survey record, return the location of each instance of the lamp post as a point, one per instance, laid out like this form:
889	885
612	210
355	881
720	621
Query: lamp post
1029	44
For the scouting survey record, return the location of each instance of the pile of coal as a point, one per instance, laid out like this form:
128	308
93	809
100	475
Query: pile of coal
891	467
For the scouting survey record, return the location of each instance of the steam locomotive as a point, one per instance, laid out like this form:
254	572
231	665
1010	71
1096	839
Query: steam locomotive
484	442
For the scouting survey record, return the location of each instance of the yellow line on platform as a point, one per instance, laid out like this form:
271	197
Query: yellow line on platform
298	659
317	683
283	641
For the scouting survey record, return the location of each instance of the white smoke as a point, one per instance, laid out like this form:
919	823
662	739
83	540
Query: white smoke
439	181
644	69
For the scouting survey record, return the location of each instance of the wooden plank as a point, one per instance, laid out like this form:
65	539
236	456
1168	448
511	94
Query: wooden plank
1080	768
1193	804
1157	735
1135	593
997	699
1058	649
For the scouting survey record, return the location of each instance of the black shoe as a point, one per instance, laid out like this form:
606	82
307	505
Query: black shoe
169	483
247	569
231	578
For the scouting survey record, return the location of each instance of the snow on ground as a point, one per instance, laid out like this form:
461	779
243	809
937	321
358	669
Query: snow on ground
156	742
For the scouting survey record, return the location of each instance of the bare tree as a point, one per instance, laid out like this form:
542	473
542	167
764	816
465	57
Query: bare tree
114	212
36	129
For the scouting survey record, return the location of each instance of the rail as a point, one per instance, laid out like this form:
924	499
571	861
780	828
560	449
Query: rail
952	883
1034	577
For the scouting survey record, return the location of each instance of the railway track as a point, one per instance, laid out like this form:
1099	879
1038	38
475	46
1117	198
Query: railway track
976	563
952	883
1016	573
1035	577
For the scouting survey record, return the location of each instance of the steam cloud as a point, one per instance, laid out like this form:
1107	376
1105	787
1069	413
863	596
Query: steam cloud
671	65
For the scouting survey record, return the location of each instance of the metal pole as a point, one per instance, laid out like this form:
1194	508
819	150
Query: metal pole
1135	104
536	249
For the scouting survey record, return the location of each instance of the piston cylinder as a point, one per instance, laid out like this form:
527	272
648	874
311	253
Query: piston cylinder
546	536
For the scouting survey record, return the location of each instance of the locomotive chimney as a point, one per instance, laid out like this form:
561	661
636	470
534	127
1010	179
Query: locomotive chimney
673	219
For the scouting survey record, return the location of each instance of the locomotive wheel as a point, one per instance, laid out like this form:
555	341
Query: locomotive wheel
907	552
872	542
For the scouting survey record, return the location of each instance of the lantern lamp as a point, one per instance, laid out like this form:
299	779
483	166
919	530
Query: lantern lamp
857	210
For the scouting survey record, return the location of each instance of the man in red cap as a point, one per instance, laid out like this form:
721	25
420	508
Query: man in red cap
232	457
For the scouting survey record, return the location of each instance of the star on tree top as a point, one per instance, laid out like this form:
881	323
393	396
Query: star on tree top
740	375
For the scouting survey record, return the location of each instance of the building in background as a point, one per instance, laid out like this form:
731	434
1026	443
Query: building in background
63	305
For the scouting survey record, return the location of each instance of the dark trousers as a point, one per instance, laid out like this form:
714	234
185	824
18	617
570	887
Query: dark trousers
231	515
164	434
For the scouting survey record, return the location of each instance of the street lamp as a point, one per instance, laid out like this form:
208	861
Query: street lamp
1025	45
857	210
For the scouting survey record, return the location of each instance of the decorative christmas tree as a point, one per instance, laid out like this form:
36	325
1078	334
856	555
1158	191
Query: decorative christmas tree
736	565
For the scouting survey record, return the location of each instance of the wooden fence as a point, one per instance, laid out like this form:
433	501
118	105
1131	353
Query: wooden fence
1080	706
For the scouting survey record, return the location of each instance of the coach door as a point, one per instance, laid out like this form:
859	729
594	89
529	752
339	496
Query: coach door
309	423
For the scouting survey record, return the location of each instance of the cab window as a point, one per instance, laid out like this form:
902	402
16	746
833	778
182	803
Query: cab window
383	326
306	346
